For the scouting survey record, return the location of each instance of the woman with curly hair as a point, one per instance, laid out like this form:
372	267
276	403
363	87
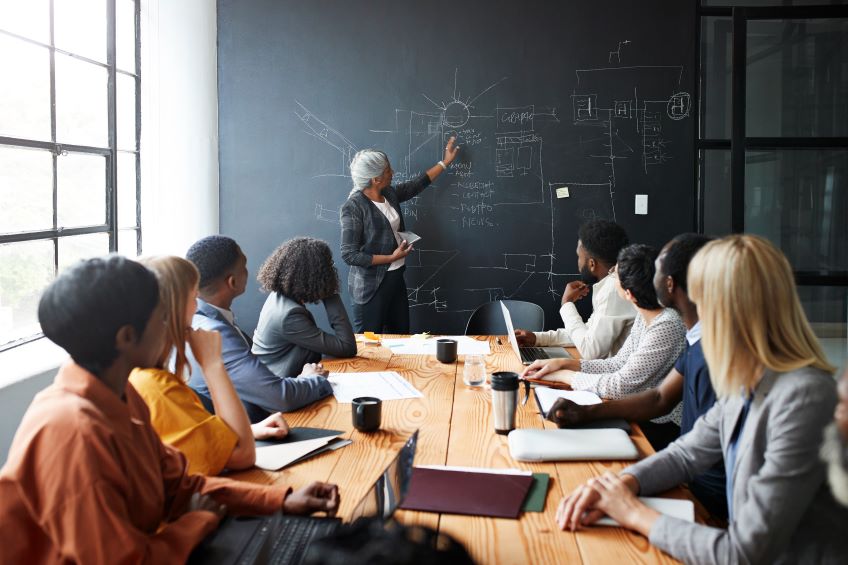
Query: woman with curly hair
298	272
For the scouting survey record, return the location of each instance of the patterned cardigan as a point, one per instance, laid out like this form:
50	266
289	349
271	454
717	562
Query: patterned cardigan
366	232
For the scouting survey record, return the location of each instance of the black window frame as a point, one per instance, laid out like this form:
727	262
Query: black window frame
739	141
109	153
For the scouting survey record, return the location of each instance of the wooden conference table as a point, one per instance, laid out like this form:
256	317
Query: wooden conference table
456	428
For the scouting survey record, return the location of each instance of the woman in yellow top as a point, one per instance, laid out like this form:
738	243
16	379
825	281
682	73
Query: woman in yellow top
210	442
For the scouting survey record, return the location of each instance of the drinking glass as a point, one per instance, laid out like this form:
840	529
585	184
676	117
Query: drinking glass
474	372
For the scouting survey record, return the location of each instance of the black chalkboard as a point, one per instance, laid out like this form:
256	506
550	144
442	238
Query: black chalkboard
588	98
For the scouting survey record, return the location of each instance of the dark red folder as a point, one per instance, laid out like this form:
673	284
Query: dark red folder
461	492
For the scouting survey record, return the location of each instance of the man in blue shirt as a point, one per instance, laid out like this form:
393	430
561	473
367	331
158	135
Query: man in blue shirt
688	381
223	277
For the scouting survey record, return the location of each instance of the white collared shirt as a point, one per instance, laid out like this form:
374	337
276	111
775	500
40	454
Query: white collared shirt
604	333
231	318
693	334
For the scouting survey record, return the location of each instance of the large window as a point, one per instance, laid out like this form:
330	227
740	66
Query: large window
773	138
69	144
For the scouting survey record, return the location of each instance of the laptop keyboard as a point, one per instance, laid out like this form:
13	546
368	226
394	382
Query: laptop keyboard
530	354
294	537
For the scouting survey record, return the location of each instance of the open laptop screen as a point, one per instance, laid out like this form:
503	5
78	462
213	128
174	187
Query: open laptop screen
391	487
510	330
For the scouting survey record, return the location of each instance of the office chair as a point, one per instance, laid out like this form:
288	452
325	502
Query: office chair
488	318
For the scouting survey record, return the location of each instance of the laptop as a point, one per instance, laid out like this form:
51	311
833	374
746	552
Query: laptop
530	354
280	539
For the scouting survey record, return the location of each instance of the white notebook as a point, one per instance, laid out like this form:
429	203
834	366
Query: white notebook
547	396
682	509
571	445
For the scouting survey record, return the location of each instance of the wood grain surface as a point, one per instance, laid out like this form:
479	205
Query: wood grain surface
455	428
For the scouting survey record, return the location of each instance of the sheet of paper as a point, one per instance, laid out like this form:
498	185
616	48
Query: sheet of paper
547	397
385	385
414	346
682	509
274	457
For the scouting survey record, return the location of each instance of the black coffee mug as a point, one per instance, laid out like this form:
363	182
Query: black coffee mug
367	412
446	350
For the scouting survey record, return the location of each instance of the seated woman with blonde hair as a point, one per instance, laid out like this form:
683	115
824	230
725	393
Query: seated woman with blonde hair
210	442
776	395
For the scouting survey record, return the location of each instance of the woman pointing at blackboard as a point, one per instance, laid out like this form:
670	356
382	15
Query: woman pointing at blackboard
371	219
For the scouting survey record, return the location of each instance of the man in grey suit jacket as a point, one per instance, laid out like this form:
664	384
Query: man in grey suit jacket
223	277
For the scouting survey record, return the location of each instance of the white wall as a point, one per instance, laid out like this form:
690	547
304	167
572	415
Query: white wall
179	168
179	124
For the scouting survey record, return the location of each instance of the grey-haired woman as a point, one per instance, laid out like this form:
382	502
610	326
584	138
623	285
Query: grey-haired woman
371	219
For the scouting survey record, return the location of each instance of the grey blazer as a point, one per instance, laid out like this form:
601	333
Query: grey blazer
287	337
783	511
366	232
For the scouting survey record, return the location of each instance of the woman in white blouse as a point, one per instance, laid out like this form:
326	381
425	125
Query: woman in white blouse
654	344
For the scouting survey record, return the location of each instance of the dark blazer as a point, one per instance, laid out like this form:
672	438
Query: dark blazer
783	510
261	391
366	232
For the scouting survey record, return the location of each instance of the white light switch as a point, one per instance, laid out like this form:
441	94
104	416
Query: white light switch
642	204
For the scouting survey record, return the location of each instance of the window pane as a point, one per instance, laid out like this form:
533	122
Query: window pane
75	248
797	81
715	187
81	109
716	51
125	35
81	190
25	90
30	18
80	27
25	269
26	189
798	200
126	112
128	243
126	190
770	2
827	310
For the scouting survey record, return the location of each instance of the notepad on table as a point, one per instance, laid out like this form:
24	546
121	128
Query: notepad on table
498	493
682	509
547	396
304	443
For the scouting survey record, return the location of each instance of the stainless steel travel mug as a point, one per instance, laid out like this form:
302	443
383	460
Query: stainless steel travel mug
504	400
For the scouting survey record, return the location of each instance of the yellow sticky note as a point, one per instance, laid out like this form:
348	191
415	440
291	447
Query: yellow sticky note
562	192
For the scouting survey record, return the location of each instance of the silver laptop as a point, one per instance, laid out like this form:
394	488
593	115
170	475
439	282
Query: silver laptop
530	354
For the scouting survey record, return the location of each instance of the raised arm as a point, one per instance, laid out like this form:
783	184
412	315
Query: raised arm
408	190
299	328
206	347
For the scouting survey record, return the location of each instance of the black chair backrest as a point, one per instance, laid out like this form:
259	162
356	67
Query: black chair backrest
488	318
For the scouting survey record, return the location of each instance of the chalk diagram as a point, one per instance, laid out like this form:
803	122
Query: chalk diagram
620	112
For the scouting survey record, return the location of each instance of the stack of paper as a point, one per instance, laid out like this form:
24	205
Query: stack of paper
385	385
415	346
301	444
